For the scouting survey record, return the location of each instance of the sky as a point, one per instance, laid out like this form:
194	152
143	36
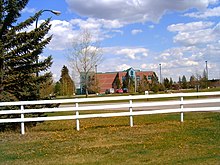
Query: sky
178	34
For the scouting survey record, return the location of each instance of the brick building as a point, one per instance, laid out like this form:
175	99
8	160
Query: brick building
107	80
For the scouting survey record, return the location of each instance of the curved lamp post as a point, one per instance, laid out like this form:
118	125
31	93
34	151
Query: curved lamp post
54	12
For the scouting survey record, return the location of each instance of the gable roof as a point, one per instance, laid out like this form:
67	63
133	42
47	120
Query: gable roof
105	80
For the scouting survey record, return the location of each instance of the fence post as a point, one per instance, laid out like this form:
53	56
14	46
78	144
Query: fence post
22	123
131	117
77	120
181	107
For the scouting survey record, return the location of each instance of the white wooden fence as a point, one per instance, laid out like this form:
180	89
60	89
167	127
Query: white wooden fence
107	103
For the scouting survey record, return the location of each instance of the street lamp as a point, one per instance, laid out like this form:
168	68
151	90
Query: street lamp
52	11
206	67
37	59
207	79
160	74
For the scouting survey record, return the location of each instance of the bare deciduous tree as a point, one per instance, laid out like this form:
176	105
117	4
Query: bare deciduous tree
84	55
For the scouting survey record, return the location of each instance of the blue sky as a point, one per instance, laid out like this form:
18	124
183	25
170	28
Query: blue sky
178	34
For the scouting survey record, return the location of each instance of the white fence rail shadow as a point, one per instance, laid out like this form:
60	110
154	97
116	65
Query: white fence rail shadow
106	103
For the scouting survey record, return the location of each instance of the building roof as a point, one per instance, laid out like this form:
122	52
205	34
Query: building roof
146	73
105	80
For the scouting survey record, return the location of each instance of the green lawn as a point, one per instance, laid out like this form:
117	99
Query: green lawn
155	139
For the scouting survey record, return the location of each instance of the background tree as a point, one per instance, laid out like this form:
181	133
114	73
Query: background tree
93	86
180	82
184	84
67	86
171	83
84	55
144	85
19	50
125	82
166	83
117	82
154	85
192	81
47	89
57	88
129	83
204	80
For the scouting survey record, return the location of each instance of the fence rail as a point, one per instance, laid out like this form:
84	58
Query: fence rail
106	103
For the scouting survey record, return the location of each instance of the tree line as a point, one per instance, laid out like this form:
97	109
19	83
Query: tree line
66	86
194	82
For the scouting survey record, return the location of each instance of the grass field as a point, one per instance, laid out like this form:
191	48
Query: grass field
155	139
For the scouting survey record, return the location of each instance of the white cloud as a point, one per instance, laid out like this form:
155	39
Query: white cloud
214	12
122	67
151	26
136	31
153	67
144	66
118	31
195	38
29	10
63	34
92	23
100	28
179	57
195	33
192	26
132	52
131	11
42	57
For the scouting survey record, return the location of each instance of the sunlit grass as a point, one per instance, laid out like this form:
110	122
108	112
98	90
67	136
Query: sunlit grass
154	139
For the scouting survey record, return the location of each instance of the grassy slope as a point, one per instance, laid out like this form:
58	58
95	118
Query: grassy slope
155	139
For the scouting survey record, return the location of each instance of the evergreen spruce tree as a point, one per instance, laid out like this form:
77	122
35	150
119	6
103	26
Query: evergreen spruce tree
171	83
184	82
67	86
19	51
57	88
117	82
166	83
129	83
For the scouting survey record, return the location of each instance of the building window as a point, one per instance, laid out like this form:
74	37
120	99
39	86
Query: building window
149	77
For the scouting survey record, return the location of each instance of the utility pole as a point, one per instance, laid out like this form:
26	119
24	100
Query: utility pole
206	67
160	74
207	78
